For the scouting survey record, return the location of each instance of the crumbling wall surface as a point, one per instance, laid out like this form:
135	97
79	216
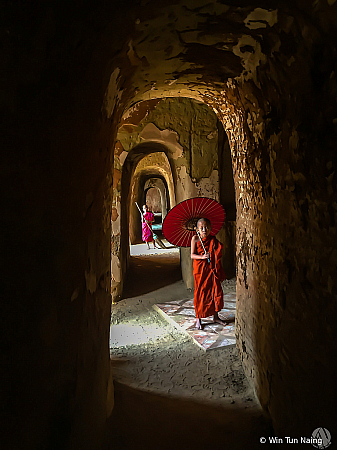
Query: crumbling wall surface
287	226
227	234
187	128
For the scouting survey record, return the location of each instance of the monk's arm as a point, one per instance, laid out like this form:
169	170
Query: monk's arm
194	254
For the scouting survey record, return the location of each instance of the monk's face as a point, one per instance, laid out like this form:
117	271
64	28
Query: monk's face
204	228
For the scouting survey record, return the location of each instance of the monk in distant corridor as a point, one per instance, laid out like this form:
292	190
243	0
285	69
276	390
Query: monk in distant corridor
147	232
208	295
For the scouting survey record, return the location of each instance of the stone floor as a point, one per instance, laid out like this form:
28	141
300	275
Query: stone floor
142	249
181	314
149	353
164	382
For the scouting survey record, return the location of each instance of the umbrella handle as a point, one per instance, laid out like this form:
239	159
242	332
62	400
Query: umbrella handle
202	245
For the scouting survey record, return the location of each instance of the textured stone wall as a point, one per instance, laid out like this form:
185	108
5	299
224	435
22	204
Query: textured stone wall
227	234
70	71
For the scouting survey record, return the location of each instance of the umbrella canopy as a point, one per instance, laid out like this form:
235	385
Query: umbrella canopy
179	224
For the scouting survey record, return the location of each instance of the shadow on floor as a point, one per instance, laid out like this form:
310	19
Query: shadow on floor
143	420
146	420
149	273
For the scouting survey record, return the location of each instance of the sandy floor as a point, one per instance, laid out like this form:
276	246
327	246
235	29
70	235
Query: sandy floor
150	355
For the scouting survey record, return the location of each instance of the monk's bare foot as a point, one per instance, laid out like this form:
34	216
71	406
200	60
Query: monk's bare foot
199	325
218	320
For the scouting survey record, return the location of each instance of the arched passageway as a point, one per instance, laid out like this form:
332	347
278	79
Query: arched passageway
153	170
153	199
71	75
146	165
195	161
156	193
129	190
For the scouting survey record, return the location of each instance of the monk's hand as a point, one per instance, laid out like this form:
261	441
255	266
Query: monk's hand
205	256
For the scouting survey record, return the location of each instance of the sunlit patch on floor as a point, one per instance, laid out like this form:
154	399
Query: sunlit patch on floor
134	334
150	354
142	249
182	315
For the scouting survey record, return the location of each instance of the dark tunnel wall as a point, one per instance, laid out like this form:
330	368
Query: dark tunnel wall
227	199
270	74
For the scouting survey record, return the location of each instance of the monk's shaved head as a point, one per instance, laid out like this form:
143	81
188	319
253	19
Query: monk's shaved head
204	219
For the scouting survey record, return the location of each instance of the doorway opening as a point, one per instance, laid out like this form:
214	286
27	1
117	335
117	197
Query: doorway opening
161	172
147	180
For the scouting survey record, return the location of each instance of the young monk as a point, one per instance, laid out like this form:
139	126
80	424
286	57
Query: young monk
147	233
208	295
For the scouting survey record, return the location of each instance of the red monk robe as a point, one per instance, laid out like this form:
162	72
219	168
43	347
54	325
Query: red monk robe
208	295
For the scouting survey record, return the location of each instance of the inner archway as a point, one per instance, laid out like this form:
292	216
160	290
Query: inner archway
153	199
153	170
195	161
159	202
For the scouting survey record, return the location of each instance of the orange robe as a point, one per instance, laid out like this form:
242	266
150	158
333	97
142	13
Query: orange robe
208	295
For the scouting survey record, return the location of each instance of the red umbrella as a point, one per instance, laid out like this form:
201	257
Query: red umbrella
179	224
